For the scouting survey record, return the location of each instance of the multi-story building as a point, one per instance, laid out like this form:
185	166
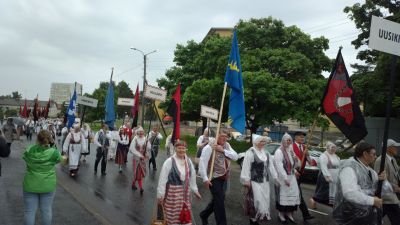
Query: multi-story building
62	92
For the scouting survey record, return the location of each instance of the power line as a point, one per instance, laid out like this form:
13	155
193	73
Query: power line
324	24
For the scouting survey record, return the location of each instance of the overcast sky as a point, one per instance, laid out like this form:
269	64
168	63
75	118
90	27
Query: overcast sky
80	40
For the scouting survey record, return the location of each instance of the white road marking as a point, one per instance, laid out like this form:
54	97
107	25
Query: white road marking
322	213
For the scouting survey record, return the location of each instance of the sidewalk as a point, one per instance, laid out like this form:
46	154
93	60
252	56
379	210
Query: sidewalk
66	210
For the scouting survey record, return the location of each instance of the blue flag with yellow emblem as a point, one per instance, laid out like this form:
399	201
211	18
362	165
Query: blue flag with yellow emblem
233	78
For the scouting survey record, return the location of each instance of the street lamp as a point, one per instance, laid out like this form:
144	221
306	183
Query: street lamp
144	77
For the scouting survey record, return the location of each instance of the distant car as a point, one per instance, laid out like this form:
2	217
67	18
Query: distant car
310	170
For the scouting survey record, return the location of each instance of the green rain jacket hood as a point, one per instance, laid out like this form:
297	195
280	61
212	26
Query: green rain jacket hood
40	176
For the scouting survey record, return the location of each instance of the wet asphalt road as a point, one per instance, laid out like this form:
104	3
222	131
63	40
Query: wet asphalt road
96	199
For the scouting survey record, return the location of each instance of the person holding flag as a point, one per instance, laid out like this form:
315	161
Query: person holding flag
220	152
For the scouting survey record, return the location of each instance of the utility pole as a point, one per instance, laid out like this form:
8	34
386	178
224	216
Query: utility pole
144	78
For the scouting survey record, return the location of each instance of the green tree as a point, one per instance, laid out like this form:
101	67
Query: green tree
282	72
121	90
371	81
11	112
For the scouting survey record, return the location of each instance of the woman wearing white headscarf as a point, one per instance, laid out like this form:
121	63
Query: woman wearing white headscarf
140	151
257	171
327	177
287	195
73	146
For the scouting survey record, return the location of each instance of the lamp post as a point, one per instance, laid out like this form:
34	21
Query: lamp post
144	78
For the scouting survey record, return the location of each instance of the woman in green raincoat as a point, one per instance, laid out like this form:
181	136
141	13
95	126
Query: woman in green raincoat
40	179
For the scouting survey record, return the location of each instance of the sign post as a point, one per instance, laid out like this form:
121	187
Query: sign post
86	101
385	37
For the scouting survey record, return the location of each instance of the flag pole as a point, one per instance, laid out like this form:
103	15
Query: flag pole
218	128
309	139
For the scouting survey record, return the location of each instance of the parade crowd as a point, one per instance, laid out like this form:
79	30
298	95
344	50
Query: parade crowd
348	186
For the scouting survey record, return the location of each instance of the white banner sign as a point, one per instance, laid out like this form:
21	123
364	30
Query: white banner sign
126	101
209	112
384	36
83	100
155	93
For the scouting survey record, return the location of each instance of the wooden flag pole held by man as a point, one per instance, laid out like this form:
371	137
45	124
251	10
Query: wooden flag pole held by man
218	128
233	78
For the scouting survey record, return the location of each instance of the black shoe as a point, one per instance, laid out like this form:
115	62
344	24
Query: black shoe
134	187
141	191
103	173
204	221
154	168
309	217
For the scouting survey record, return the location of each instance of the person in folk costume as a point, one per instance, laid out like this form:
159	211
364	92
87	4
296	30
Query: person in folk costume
30	127
177	179
355	200
88	134
140	151
391	206
154	138
9	131
73	146
299	148
202	141
102	141
122	149
257	172
51	129
287	194
169	146
112	150
327	178
131	133
218	182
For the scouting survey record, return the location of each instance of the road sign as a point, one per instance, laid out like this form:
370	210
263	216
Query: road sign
385	36
209	112
83	100
155	93
126	101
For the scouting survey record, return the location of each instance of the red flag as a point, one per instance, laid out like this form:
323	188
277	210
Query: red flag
174	110
340	105
135	108
35	109
46	112
24	111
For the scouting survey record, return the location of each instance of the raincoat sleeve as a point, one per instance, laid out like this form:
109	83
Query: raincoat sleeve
200	141
245	175
84	144
96	140
271	167
56	157
193	183
133	150
66	143
351	190
162	181
278	159
230	153
323	159
203	164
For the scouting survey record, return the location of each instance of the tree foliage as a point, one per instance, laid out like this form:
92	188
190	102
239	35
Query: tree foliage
371	81
121	90
282	71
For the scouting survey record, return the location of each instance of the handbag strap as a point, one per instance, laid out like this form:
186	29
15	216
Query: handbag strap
155	210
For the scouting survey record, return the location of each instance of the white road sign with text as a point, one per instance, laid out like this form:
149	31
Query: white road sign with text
209	112
385	36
